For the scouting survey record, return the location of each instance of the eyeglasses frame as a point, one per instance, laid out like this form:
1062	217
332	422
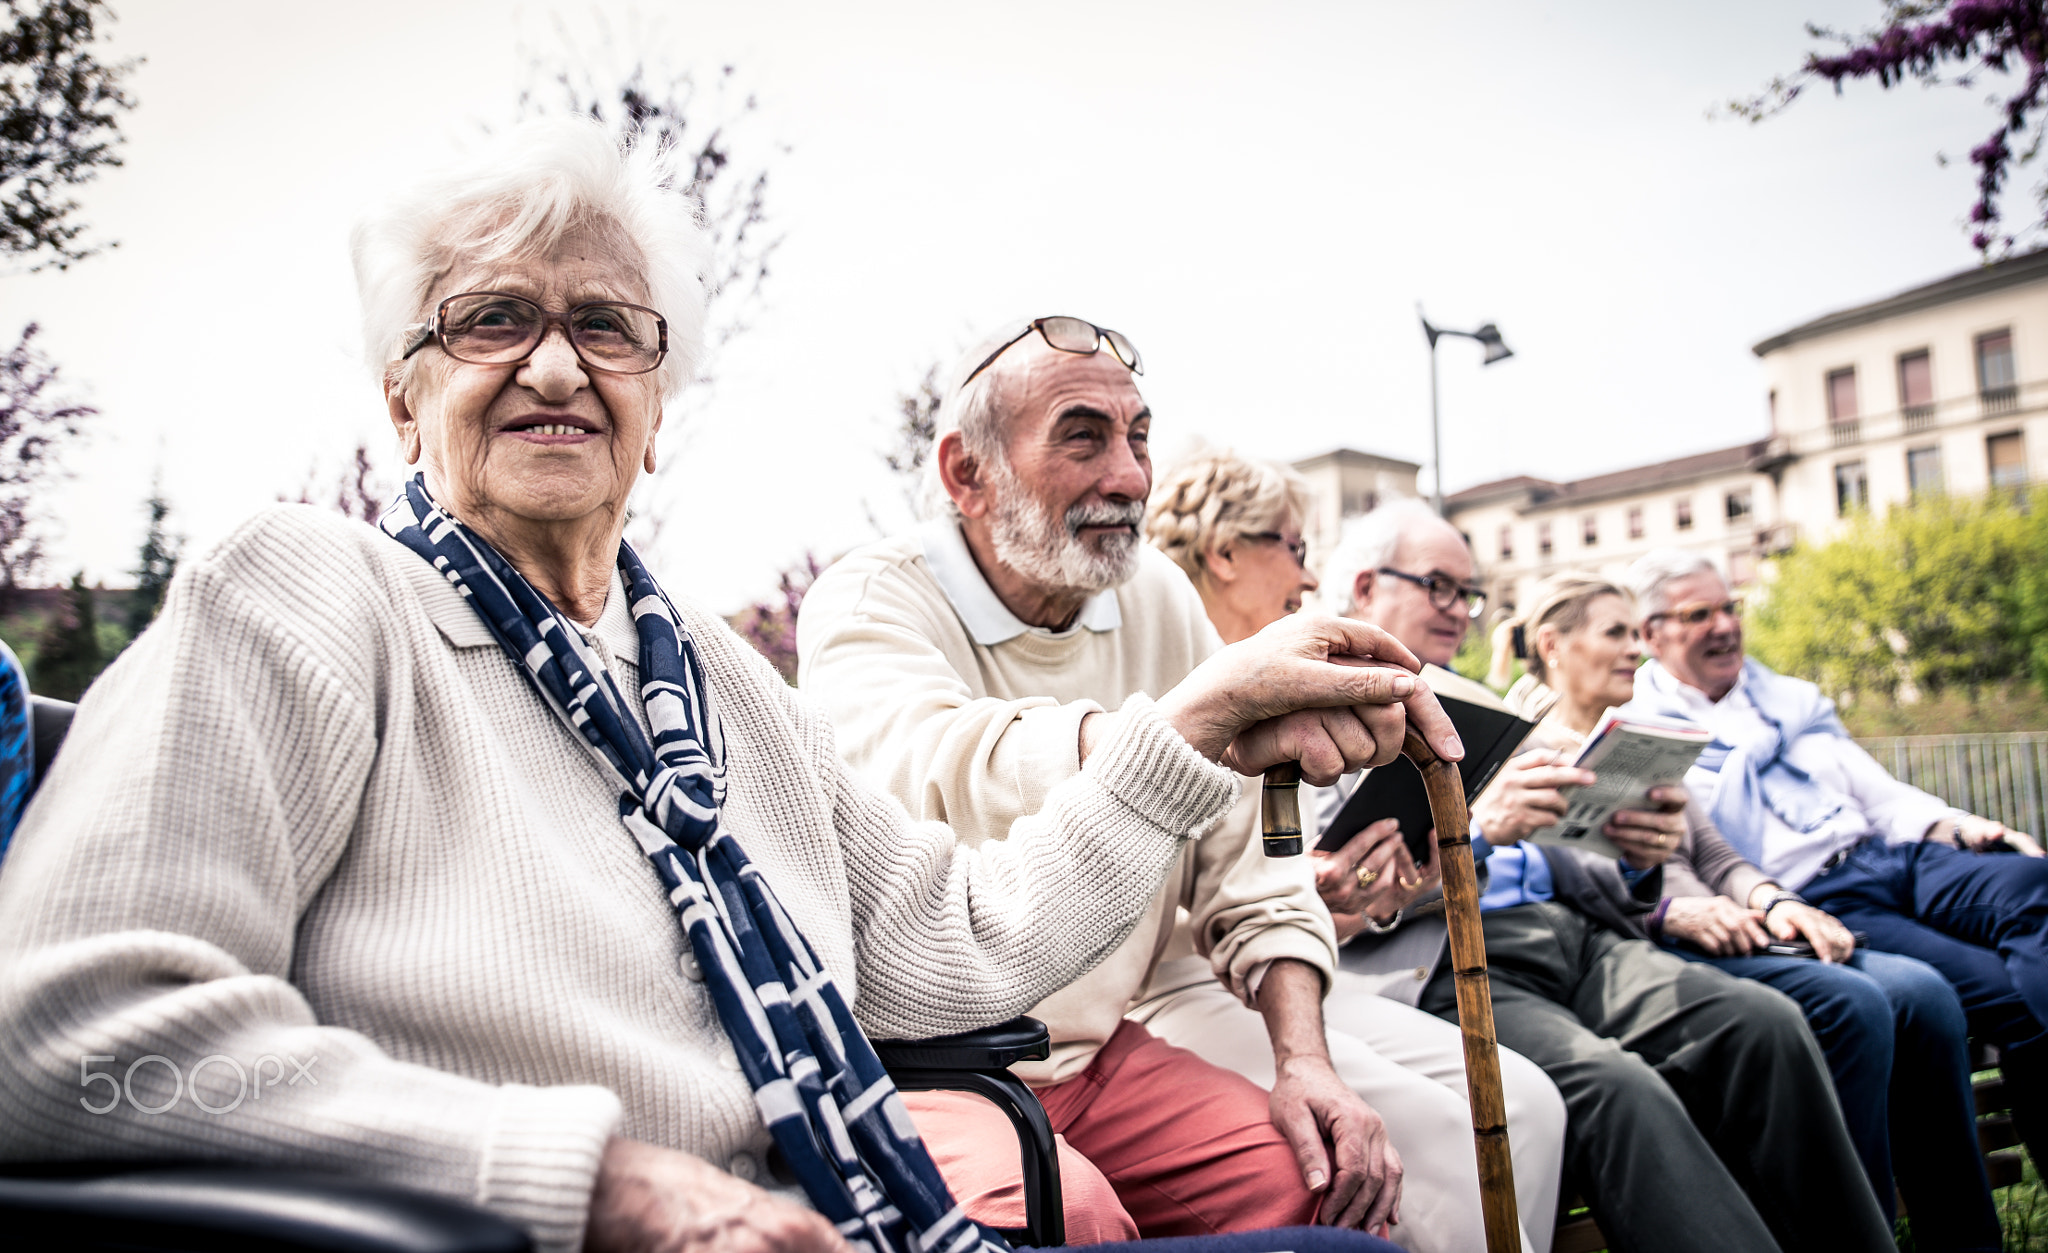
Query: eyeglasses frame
430	331
1102	335
1474	597
1297	548
1732	607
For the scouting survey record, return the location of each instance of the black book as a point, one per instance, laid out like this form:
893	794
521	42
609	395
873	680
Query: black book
1491	735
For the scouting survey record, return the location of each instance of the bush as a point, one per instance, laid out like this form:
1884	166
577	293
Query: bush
1931	596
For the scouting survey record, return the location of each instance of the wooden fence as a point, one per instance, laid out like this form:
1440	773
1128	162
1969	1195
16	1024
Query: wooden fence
2000	776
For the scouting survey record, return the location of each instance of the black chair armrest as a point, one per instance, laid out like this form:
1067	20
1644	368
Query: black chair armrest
187	1209
978	1062
49	720
991	1048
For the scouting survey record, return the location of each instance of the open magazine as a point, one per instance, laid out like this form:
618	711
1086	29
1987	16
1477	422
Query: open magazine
1630	756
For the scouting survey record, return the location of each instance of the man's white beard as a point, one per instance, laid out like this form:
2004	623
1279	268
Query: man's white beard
1048	549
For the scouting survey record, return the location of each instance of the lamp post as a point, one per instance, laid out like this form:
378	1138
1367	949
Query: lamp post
1496	350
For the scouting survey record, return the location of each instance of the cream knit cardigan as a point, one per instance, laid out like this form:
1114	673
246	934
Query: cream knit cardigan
314	824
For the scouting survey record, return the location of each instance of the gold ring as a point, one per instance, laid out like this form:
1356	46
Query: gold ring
1367	877
1407	886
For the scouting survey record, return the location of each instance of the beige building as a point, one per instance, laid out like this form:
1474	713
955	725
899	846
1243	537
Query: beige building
1940	388
1718	504
1348	482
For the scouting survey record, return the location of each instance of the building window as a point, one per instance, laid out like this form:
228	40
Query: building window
1997	378
1543	538
2008	456
1589	529
1681	514
1507	543
1852	487
1635	522
1842	411
1916	390
1740	504
1923	471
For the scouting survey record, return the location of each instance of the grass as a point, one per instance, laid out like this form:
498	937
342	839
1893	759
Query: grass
1977	711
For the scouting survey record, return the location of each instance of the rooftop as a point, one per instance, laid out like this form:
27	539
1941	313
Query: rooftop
1976	281
1672	473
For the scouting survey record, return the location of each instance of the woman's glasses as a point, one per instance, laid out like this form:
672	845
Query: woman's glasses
1693	613
495	328
1443	592
1075	335
1298	548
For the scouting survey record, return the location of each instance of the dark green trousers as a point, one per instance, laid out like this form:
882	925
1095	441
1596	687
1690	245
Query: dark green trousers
1701	1113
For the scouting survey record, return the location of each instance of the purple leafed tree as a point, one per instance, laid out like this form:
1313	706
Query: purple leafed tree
771	625
1946	42
35	417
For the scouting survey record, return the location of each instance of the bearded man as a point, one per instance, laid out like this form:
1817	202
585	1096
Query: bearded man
969	667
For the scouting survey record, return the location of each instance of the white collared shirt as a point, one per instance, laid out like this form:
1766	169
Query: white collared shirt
984	614
1879	803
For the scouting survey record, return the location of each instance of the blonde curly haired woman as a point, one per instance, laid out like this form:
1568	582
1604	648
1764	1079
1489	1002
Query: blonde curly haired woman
1234	526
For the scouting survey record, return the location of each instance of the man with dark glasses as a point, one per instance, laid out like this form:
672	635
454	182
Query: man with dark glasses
1799	799
969	666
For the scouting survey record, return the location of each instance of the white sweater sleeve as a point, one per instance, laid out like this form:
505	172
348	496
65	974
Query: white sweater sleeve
904	716
149	913
952	936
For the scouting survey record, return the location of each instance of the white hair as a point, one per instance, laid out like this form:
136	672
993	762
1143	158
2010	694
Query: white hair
976	410
517	198
1658	569
1369	541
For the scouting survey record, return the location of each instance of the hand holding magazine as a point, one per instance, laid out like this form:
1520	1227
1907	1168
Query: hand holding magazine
1629	756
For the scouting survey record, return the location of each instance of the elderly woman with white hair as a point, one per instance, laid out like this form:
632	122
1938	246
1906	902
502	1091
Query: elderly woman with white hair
560	898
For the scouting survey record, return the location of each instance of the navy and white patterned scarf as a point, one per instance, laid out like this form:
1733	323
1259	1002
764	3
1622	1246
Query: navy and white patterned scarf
832	1109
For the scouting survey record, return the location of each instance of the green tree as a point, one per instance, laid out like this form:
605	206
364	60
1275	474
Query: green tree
2030	593
1928	596
158	561
58	125
70	657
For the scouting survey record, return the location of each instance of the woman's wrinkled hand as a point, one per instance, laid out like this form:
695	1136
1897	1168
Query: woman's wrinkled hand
655	1200
1715	925
1524	797
1374	873
1648	837
1331	693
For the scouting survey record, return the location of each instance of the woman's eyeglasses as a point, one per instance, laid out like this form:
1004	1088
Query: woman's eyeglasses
496	328
1298	548
1444	592
1075	335
1693	613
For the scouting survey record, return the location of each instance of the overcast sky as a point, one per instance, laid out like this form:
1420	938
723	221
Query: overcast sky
1258	195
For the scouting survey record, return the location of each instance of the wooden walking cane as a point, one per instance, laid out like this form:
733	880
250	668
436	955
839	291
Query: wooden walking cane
1282	820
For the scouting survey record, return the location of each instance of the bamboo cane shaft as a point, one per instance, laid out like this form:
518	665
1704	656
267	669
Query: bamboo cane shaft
1475	999
1280	810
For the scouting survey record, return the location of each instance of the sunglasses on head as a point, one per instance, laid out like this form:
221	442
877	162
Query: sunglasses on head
1693	613
1075	335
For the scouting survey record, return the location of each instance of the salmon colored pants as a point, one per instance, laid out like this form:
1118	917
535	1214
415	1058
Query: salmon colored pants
1153	1141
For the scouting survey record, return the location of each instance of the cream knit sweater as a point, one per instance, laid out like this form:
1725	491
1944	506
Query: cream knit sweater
981	735
315	824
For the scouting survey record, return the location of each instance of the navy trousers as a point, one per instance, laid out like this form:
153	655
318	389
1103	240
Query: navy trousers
1981	919
1893	1032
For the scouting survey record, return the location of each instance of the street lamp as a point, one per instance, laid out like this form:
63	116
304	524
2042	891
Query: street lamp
1489	337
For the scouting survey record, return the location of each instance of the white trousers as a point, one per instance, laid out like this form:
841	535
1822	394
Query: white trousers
1409	1066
